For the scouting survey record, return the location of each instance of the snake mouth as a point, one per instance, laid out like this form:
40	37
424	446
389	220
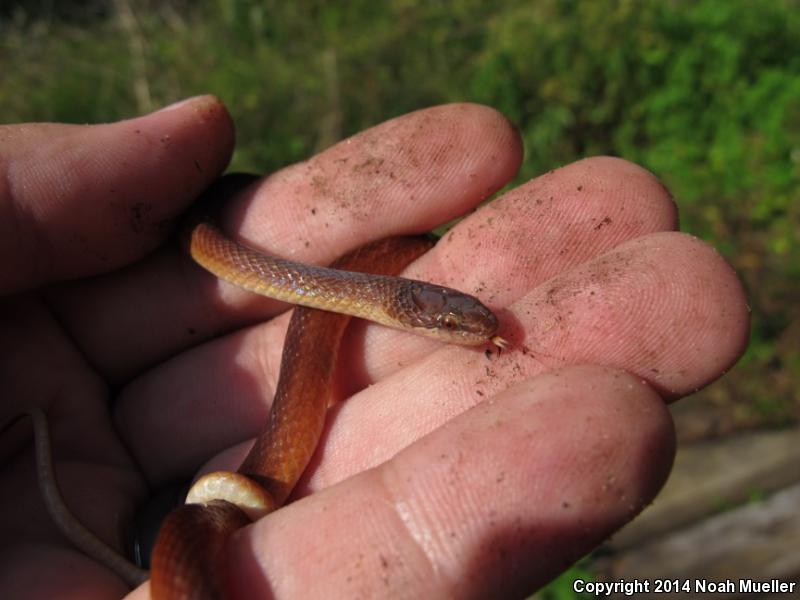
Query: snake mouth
461	337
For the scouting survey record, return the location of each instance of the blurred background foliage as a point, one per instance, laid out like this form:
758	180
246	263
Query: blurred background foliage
706	94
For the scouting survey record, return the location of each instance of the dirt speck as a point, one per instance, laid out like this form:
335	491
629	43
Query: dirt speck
603	223
138	216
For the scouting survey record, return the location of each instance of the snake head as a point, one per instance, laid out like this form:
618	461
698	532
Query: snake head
449	315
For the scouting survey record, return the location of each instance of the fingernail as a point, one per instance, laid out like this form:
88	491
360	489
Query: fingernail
180	103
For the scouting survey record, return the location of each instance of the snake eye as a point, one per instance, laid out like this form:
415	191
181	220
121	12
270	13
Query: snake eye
450	322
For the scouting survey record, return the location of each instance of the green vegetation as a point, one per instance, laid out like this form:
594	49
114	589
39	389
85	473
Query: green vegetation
561	588
706	94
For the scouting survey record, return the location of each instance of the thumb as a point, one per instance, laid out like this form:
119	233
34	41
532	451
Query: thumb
78	200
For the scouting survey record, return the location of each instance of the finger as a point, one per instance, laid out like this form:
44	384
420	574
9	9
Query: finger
665	307
101	497
97	479
494	504
407	175
81	200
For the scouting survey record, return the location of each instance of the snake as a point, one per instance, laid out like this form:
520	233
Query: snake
189	557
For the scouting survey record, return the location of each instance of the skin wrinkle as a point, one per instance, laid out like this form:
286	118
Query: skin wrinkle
419	514
19	218
383	565
417	533
471	507
70	159
413	534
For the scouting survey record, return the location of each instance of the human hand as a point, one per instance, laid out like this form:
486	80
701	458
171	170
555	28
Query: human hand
449	472
89	204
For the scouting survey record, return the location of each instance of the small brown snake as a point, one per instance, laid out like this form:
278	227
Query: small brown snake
189	557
